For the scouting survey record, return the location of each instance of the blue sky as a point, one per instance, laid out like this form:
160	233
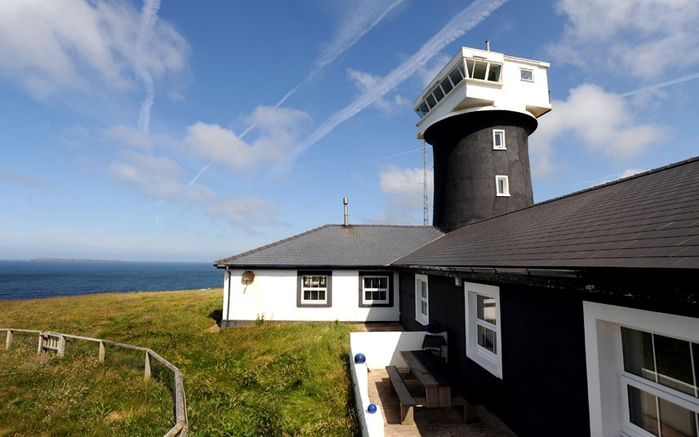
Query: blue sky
192	131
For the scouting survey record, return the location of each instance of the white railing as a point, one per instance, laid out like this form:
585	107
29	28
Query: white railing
56	341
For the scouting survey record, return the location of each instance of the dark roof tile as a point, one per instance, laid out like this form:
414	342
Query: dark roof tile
338	246
648	220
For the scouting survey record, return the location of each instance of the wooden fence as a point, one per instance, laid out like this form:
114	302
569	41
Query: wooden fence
55	341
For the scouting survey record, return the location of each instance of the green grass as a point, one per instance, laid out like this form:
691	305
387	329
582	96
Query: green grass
268	379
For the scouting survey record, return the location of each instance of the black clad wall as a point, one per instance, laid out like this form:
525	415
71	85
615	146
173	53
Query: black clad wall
465	166
544	390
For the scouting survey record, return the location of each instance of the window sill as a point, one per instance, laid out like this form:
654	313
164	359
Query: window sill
485	362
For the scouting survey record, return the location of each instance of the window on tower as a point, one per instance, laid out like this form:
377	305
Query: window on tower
526	74
499	139
466	69
502	186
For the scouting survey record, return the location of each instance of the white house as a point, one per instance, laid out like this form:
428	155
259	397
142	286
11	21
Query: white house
334	272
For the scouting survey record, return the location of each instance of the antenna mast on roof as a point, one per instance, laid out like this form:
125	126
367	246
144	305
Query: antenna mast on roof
425	206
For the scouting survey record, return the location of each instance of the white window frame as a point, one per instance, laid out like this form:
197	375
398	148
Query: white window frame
522	70
387	290
420	317
492	362
506	186
501	133
607	381
324	301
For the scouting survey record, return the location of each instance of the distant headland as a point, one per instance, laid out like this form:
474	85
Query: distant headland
75	260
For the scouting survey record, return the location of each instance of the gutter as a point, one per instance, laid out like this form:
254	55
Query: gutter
556	273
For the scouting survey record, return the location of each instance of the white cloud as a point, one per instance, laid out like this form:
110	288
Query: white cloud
279	129
641	38
355	18
602	122
157	177
630	172
27	181
132	137
80	44
429	71
404	190
464	21
366	82
625	174
244	210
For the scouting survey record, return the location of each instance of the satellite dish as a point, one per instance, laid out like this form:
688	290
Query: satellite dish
248	277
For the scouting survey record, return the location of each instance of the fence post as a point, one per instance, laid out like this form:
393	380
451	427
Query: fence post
101	352
147	367
61	346
8	340
41	340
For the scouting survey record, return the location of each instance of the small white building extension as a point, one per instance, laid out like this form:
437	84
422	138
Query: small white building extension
334	272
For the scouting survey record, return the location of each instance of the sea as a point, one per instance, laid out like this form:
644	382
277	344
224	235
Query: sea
35	279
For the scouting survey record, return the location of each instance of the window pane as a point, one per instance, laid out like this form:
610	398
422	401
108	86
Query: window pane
479	70
382	295
306	294
423	290
676	421
498	139
368	295
460	67
438	93
306	281
431	101
485	309
423	109
383	282
321	295
446	85
501	186
494	73
642	410
423	307
638	353
470	64
674	364
487	338
526	74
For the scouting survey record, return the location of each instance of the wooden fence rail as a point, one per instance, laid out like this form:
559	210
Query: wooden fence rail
56	341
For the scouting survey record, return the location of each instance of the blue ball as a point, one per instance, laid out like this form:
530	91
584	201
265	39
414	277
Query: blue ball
371	408
359	358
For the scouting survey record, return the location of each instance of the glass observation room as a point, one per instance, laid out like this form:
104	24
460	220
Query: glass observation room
466	69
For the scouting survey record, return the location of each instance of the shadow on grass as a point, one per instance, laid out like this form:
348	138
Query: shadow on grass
217	316
351	402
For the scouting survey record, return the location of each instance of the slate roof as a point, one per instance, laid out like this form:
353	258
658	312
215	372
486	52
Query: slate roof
338	246
650	220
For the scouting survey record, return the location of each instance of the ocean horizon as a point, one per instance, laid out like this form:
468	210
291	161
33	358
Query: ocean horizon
30	279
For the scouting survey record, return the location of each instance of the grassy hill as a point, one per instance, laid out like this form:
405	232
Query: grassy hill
269	379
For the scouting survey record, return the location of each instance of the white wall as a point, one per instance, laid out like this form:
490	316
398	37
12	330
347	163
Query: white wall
381	349
272	295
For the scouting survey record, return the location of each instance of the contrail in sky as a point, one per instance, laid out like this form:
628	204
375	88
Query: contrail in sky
149	16
397	154
661	85
466	20
331	56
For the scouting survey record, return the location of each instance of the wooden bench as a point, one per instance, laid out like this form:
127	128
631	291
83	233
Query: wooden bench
407	401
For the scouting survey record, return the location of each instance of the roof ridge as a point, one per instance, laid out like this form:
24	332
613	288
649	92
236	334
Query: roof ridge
372	225
587	190
267	246
620	180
